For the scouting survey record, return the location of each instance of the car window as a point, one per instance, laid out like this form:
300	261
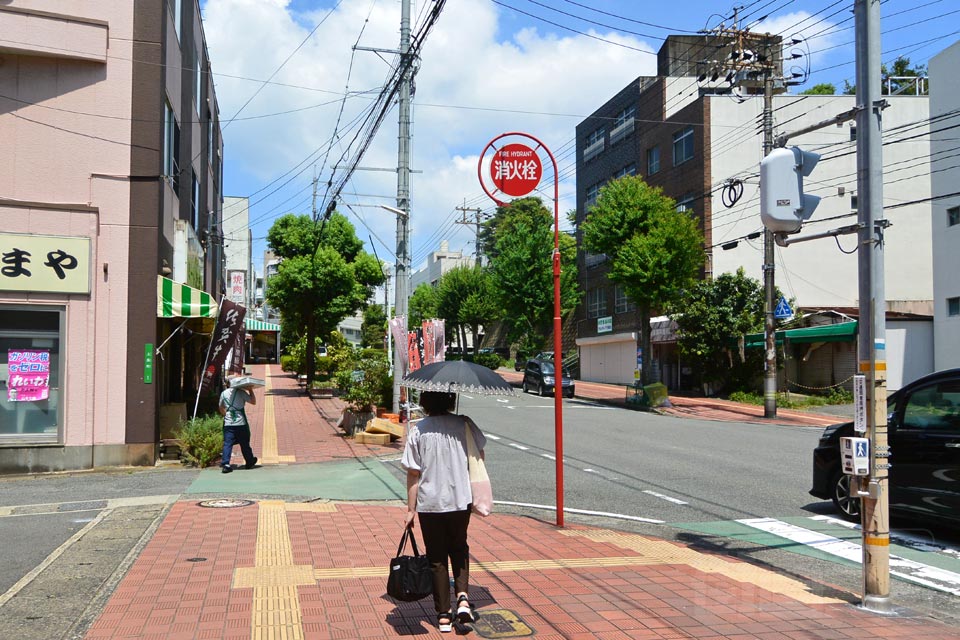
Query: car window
547	369
936	407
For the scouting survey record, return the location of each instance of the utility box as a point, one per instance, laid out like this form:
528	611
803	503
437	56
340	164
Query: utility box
855	456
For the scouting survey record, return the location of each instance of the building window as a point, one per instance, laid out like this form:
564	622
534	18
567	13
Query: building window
177	15
210	123
854	203
623	125
594	144
853	134
629	170
683	145
31	336
953	216
596	302
195	203
593	191
653	160
622	303
199	76
953	306
171	147
686	203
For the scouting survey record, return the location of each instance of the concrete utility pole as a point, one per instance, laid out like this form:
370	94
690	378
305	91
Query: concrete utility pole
871	347
769	267
401	283
476	221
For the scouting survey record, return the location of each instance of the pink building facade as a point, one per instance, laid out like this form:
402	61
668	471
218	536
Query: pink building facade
112	156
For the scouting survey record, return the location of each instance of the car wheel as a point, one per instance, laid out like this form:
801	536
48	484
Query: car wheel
846	504
524	386
540	390
570	394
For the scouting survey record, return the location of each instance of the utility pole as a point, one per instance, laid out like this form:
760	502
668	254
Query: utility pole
401	282
769	266
476	211
871	347
745	64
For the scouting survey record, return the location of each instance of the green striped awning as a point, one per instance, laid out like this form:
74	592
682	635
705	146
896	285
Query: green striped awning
176	300
259	325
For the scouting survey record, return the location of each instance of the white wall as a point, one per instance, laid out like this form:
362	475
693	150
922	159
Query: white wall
817	273
945	97
909	351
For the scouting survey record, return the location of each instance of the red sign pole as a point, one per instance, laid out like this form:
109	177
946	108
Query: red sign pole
527	177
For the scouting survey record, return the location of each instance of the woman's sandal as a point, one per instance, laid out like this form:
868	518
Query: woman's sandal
464	610
445	622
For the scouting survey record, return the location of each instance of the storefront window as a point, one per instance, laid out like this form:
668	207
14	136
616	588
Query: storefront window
30	374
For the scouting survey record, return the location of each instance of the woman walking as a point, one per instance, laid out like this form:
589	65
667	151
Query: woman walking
438	489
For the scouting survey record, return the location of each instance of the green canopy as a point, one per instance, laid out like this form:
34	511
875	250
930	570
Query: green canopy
841	332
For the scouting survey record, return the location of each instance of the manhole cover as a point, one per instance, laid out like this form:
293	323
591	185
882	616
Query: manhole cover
225	504
500	623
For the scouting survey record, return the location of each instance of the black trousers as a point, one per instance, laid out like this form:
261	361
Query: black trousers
445	536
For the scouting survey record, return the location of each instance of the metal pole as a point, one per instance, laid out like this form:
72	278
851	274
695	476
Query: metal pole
403	194
557	342
871	346
769	285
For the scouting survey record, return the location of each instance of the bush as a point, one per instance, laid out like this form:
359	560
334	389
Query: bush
288	364
746	397
839	395
366	382
201	439
488	360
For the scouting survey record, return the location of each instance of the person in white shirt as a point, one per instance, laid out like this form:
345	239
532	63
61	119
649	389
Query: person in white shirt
438	490
236	427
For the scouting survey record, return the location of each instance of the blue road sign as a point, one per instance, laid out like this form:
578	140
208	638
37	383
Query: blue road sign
783	310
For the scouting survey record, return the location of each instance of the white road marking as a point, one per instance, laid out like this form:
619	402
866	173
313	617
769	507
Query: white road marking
492	437
663	497
903	539
519	446
916	572
590	471
548	456
585	512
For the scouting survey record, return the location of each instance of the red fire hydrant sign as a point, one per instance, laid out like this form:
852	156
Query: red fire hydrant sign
516	169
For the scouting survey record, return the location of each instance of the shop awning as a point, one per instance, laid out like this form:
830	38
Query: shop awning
260	325
176	300
841	332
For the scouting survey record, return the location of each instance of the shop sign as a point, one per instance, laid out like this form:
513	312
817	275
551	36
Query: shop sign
29	371
605	325
238	286
224	337
148	363
48	264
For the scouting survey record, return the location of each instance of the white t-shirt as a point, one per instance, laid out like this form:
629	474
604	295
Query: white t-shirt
437	448
233	400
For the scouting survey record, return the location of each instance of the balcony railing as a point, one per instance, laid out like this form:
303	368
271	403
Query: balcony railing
622	130
593	150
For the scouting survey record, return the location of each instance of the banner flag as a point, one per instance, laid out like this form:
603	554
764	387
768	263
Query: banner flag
224	336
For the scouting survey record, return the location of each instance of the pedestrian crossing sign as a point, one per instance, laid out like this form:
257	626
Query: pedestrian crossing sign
783	310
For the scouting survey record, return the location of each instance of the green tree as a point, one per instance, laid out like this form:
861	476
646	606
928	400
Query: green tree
655	251
464	302
373	331
822	89
521	270
423	305
711	315
322	263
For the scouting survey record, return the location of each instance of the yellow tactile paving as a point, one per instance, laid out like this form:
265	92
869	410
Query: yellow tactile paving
669	553
311	507
276	607
270	449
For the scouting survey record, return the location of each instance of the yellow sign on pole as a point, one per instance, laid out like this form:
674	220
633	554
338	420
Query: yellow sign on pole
49	264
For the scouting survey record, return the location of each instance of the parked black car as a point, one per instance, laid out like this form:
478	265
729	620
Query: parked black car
541	375
924	438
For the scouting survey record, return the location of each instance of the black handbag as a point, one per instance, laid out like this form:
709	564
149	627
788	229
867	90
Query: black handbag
410	576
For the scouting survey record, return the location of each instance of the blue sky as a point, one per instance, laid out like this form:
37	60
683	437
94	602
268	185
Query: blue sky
487	67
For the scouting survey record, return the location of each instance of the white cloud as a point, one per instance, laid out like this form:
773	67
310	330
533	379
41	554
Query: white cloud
472	82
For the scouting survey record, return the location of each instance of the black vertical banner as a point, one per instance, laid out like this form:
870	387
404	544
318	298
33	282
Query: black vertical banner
229	323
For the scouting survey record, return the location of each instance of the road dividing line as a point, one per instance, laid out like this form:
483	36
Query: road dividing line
548	456
663	497
519	446
491	436
909	570
550	507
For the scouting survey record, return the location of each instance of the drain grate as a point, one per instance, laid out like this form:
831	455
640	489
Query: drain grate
224	503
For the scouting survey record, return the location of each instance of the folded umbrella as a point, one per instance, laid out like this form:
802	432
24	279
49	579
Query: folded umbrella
458	376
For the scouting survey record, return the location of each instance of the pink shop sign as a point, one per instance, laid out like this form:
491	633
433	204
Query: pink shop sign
29	375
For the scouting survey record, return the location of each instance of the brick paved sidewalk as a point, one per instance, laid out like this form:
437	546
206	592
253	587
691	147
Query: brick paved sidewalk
317	571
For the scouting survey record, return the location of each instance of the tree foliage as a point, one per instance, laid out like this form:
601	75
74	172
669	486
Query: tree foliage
323	276
655	251
822	89
373	331
712	319
521	269
465	303
423	305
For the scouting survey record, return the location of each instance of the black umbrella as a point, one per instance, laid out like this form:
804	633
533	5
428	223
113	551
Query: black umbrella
458	376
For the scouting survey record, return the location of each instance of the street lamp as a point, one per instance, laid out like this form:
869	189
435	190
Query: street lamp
400	287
